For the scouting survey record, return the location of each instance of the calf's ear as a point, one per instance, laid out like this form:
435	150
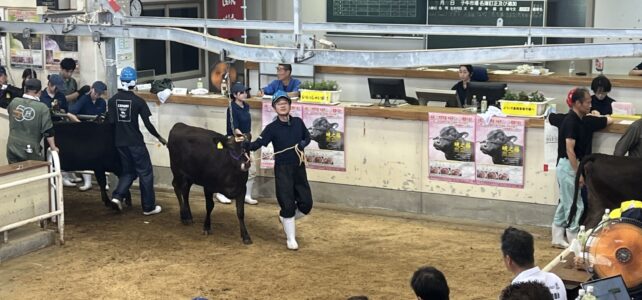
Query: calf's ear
335	125
512	138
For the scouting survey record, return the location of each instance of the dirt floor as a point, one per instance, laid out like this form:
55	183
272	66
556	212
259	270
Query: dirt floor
130	256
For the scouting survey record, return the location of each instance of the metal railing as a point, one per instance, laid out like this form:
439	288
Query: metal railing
56	207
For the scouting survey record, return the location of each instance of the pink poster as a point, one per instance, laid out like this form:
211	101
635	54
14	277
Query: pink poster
326	126
500	152
451	154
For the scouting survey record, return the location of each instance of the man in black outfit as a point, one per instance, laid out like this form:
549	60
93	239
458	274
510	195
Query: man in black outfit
288	136
7	91
123	111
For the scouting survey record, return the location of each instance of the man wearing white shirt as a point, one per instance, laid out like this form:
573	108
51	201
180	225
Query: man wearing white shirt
518	252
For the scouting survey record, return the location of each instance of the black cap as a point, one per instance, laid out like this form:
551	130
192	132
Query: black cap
3	71
33	84
239	87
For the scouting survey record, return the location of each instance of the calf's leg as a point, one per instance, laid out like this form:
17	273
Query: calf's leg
209	206
240	214
181	189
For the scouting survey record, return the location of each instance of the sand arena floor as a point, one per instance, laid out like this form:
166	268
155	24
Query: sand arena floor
342	253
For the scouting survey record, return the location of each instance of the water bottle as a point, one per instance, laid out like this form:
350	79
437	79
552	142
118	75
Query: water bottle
224	87
473	102
589	293
580	294
606	216
199	83
571	68
484	105
581	237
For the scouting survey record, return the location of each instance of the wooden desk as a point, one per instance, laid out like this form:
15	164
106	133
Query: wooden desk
404	112
571	276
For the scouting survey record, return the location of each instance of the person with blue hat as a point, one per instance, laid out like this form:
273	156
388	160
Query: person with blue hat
89	104
289	136
52	95
239	122
124	108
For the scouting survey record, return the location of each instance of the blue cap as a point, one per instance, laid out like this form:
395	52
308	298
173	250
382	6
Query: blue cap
99	87
128	74
57	81
239	87
280	94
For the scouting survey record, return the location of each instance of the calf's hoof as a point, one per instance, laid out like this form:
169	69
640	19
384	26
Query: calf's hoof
187	221
207	231
247	241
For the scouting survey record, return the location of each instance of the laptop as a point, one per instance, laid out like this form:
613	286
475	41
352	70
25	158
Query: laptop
610	288
440	98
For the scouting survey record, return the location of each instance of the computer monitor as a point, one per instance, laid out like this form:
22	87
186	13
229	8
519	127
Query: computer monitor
493	91
389	88
609	288
447	97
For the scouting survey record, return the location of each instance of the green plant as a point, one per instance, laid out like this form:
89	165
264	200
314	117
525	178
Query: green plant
329	85
522	96
510	95
536	96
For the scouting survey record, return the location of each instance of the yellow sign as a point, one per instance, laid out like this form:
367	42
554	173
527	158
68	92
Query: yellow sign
322	97
523	108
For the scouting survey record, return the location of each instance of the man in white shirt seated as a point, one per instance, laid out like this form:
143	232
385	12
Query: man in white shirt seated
518	252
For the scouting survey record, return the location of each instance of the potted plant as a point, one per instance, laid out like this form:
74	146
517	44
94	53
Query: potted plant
324	92
523	104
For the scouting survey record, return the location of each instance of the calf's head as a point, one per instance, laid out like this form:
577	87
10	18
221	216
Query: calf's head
235	147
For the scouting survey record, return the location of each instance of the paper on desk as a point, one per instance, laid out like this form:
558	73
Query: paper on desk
625	122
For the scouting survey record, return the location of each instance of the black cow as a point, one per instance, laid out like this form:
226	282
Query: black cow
454	144
610	181
217	163
326	134
502	148
89	146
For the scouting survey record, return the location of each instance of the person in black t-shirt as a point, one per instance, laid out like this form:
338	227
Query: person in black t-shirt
574	142
289	136
123	111
465	75
7	91
600	101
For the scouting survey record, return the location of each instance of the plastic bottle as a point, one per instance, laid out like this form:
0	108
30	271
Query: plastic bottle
589	294
473	102
580	294
571	68
199	83
606	217
223	87
484	104
581	237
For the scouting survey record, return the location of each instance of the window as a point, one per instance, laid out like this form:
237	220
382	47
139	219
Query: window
156	59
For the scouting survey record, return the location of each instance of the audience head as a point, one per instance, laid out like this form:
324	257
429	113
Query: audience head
27	74
601	86
529	290
283	71
67	67
517	249
33	87
465	72
430	284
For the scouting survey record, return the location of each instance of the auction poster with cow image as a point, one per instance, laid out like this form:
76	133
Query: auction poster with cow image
452	147
500	152
326	127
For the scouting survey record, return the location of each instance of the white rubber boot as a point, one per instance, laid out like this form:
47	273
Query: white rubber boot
248	193
74	178
571	235
221	198
67	180
558	240
87	182
289	226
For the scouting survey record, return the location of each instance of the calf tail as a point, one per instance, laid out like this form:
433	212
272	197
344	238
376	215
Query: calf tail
580	172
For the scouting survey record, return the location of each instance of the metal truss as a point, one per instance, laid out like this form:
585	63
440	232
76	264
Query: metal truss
355	58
